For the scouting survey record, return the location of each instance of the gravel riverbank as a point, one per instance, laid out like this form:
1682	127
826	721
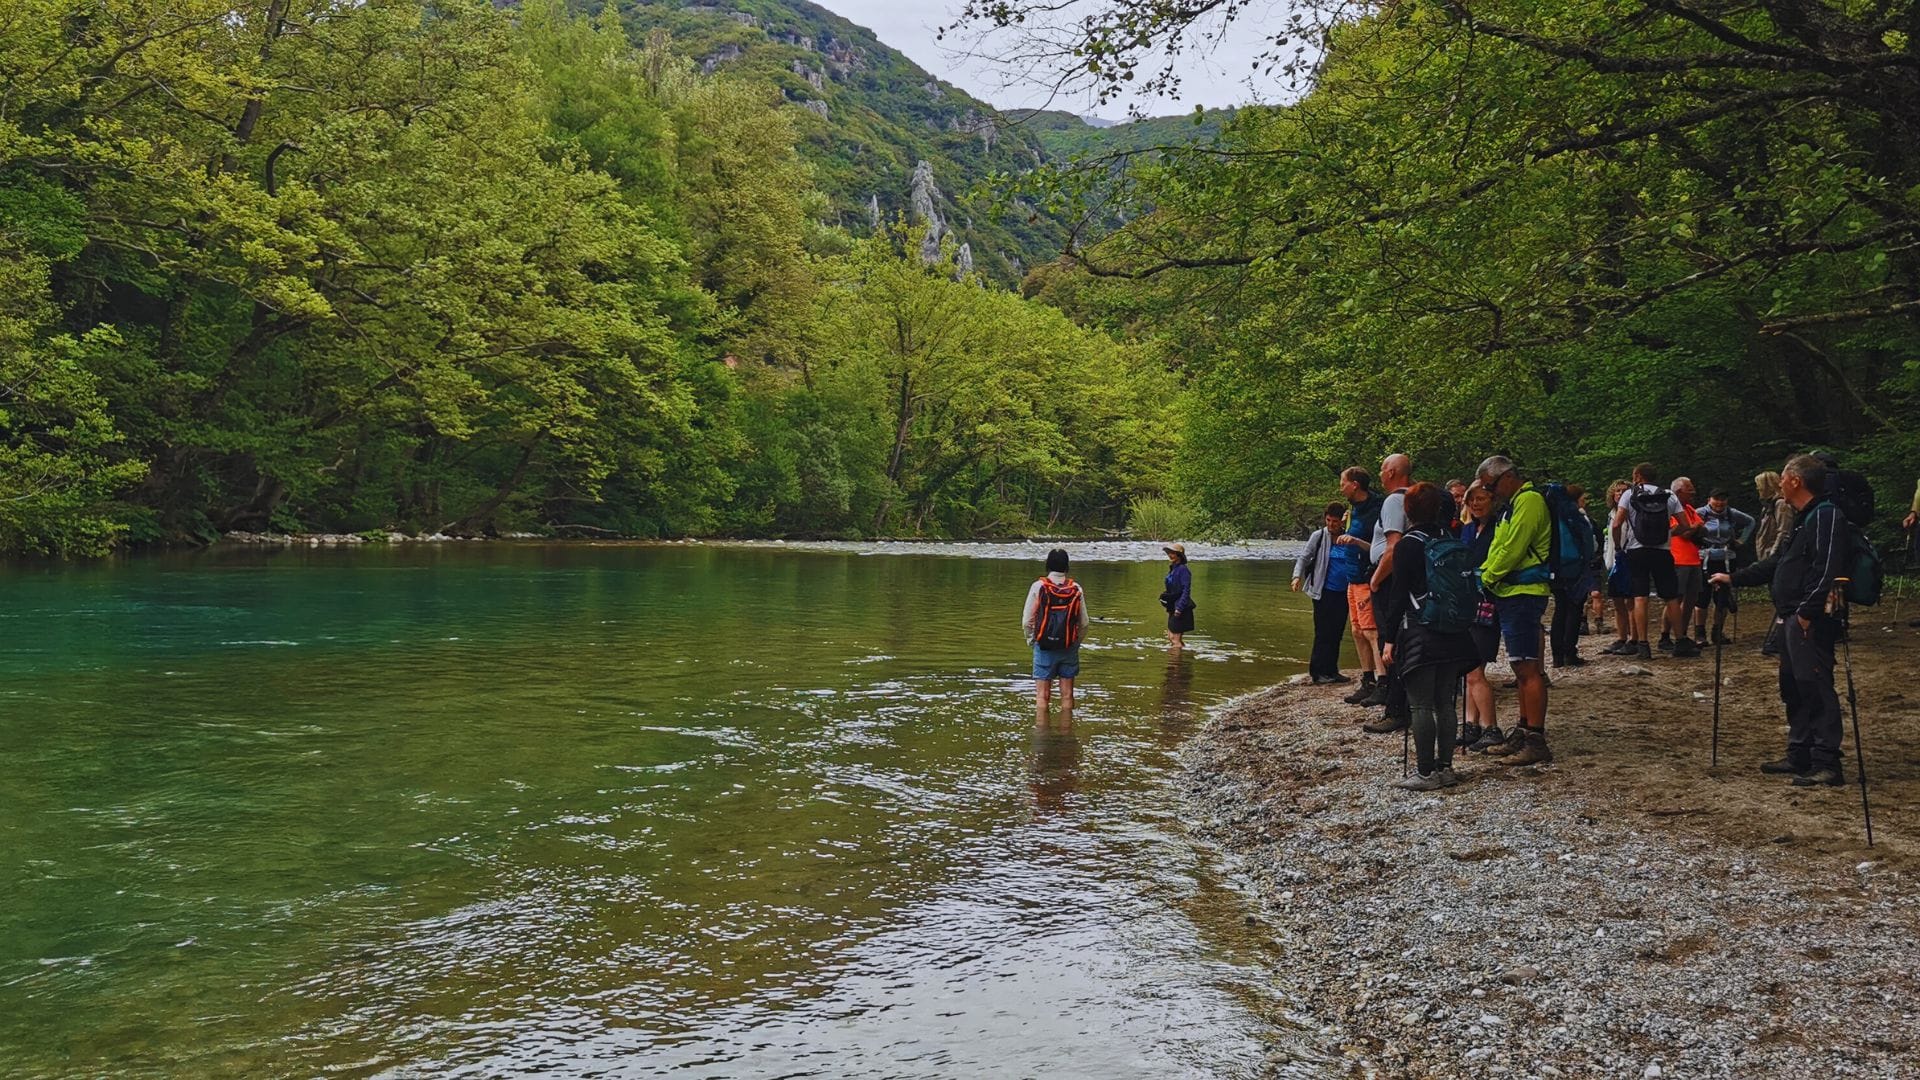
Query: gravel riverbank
1626	911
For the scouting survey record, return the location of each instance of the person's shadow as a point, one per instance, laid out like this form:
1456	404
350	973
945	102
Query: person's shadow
1055	770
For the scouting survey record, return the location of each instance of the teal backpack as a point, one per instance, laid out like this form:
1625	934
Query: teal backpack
1865	574
1452	600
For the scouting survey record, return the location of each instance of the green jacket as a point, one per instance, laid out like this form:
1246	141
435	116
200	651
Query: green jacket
1521	540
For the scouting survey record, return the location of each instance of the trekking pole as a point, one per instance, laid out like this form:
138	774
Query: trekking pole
1719	646
1853	706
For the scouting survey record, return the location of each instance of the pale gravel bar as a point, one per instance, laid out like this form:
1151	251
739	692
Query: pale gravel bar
1526	925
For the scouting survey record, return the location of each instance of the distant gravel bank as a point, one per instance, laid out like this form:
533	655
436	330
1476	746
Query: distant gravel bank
1624	912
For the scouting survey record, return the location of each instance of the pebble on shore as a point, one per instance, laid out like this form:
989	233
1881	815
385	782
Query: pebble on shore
1540	922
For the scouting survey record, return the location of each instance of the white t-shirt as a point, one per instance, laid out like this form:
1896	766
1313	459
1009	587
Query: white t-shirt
1393	518
1674	510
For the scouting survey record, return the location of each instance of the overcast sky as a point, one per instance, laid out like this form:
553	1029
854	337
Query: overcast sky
1214	79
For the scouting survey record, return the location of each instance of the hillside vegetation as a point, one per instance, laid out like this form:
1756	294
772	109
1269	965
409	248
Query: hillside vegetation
294	265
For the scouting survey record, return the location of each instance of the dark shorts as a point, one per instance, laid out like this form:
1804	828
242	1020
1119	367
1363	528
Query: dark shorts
1721	598
1049	664
1519	618
1691	581
1650	573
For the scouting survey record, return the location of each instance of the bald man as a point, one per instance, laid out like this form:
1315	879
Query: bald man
1396	476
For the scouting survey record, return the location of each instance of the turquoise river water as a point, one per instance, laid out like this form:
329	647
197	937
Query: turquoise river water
688	810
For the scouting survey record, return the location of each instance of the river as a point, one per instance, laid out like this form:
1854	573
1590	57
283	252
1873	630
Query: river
699	810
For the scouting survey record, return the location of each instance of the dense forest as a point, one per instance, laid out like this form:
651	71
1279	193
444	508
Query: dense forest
660	269
1581	233
299	264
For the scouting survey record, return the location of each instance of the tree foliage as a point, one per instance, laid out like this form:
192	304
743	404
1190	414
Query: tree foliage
303	264
1585	232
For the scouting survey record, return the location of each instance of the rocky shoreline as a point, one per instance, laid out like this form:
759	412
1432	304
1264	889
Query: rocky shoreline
1626	911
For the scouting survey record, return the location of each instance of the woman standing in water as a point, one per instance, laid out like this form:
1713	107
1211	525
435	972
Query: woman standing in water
1054	617
1177	598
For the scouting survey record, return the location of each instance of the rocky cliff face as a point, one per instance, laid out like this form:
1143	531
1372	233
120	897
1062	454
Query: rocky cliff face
888	141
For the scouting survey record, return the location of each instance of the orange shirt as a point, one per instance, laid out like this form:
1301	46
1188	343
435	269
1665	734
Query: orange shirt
1685	552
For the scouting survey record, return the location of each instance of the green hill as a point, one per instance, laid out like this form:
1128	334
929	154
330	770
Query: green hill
1064	135
871	117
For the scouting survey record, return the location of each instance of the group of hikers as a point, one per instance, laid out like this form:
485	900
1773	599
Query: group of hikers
1434	580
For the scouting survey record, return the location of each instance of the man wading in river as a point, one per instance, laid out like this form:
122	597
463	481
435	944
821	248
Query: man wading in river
1054	617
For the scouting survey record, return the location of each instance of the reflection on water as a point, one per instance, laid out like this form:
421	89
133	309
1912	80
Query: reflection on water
1056	763
615	811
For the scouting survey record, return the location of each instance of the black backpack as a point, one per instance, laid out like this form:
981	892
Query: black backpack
1647	516
1850	491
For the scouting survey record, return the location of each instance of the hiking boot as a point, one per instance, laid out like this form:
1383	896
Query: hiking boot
1515	739
1644	651
1375	696
1386	725
1700	638
1533	749
1467	735
1489	737
1786	766
1571	661
1685	647
1666	643
1421	782
1447	776
1722	639
1831	776
1584	628
1618	648
1364	691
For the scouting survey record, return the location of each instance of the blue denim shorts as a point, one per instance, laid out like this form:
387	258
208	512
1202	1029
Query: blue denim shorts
1055	663
1520	624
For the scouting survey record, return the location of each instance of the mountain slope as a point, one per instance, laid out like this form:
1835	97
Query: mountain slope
871	117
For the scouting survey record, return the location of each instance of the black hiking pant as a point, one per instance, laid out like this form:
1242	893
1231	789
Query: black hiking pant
1806	688
1396	686
1563	634
1329	629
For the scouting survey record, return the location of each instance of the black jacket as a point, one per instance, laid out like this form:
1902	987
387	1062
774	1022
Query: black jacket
1801	570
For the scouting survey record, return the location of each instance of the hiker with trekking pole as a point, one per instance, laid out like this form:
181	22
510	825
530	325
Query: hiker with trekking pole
1803	575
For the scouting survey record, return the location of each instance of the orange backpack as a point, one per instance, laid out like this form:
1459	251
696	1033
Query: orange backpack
1056	623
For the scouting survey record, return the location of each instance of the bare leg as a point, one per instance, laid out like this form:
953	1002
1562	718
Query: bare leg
1366	644
1672	621
1043	693
1622	618
1177	641
1066	701
1640	618
1480	699
1533	693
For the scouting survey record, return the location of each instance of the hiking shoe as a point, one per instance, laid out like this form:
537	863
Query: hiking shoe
1361	694
1489	737
1375	696
1386	725
1533	750
1447	776
1584	628
1783	767
1722	639
1467	735
1420	782
1329	680
1644	651
1666	643
1515	739
1827	777
1685	647
1571	661
1618	648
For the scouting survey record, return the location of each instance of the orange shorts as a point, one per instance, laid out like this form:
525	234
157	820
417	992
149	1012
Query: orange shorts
1360	606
